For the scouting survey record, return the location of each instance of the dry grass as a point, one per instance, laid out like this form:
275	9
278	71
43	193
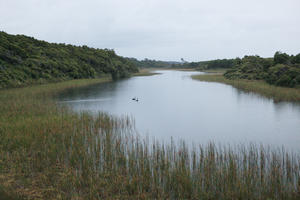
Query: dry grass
182	69
216	71
146	72
49	152
260	87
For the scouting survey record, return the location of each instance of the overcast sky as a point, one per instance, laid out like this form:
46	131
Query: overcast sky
161	29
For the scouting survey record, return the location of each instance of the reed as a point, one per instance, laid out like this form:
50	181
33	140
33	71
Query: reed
275	92
50	152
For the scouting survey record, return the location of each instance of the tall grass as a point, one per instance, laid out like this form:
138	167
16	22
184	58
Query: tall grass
49	152
260	87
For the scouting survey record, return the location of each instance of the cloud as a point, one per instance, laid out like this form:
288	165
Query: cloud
166	30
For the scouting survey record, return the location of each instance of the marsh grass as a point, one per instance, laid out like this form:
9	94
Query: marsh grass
50	152
217	71
275	92
146	72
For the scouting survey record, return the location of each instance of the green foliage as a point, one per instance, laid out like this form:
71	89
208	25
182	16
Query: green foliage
281	58
212	64
25	60
295	59
283	70
147	63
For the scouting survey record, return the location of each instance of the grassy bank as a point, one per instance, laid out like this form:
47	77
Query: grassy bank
260	87
50	152
146	72
181	69
216	71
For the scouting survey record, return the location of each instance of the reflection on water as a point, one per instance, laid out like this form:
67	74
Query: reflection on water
173	105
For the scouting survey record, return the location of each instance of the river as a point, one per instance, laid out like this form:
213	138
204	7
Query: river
172	104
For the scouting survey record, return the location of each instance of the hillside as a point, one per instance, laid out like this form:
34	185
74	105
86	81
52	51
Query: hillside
25	60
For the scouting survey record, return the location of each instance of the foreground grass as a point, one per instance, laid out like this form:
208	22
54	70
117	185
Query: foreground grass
49	152
260	87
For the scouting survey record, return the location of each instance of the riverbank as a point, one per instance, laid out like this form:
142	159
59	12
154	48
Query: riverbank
181	69
216	71
146	72
260	87
49	152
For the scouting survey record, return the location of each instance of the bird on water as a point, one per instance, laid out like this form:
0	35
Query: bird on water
135	99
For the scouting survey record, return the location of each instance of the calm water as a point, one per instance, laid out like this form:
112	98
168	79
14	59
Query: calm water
173	105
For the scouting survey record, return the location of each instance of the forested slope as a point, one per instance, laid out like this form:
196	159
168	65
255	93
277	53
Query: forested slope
25	60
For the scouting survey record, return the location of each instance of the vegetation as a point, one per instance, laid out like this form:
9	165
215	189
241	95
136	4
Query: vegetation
260	87
146	72
147	63
282	70
49	152
266	76
209	65
25	61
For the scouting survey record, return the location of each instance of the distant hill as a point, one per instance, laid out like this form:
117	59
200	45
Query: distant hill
25	60
147	63
210	64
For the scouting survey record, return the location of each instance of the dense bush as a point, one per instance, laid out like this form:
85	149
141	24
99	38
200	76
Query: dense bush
282	70
281	58
25	60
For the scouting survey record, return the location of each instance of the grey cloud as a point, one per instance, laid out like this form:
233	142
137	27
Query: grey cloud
166	30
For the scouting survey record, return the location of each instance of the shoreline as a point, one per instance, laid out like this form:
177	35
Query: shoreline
278	94
146	72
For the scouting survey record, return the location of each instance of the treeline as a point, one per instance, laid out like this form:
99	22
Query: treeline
281	70
25	60
211	64
202	65
147	63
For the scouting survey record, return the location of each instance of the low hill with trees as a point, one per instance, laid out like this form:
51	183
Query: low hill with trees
210	64
148	63
25	60
282	70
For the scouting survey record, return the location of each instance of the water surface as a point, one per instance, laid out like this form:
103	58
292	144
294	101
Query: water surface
173	105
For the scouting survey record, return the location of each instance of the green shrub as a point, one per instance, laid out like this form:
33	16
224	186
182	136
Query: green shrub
279	72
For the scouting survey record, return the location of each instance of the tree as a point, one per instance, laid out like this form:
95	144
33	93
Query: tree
296	59
281	58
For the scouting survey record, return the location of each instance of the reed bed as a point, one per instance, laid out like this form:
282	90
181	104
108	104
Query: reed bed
275	92
50	152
